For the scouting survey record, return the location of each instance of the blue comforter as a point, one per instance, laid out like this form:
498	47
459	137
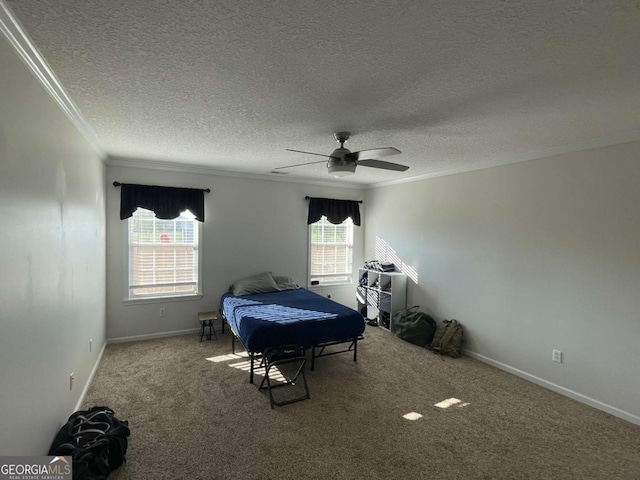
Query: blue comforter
299	317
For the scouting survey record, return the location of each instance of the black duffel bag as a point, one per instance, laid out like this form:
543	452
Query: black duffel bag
414	326
95	440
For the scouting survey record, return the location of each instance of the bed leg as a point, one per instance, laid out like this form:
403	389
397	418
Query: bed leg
355	349
222	320
251	358
313	358
233	343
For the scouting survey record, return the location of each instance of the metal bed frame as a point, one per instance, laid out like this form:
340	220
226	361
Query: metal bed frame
253	356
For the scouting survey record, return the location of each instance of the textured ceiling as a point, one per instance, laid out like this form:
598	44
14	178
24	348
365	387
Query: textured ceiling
455	85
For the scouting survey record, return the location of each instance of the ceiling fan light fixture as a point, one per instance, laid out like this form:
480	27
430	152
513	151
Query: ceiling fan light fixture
338	166
342	170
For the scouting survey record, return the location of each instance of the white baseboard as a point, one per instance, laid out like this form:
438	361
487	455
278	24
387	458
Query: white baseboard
89	380
557	388
150	336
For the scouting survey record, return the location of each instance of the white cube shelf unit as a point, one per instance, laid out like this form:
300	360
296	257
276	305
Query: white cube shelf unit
386	292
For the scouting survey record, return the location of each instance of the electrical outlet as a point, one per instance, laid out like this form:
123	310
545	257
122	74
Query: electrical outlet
163	312
557	356
71	381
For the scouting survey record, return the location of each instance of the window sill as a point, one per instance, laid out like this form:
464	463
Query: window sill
181	298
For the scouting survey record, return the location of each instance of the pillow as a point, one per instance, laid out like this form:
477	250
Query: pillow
285	283
260	283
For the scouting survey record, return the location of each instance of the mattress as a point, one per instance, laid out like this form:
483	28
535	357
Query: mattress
298	317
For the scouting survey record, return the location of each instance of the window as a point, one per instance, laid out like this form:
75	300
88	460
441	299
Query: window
164	260
330	252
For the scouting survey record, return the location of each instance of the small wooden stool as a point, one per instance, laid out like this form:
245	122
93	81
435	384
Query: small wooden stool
206	320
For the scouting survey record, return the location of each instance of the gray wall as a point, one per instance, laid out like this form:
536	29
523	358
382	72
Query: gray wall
252	225
52	279
530	257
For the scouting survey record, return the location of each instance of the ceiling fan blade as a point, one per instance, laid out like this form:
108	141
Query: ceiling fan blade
374	153
309	153
369	162
301	164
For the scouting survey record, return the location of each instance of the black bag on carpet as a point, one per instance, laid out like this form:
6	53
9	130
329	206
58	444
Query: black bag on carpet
95	440
414	326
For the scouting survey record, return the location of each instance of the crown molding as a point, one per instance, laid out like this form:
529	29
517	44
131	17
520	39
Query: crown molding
204	170
27	51
600	142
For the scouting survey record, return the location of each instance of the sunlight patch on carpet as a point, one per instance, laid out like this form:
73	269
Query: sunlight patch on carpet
412	416
276	375
231	356
449	402
245	365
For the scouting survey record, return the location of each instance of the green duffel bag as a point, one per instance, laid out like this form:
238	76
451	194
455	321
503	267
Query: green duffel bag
414	326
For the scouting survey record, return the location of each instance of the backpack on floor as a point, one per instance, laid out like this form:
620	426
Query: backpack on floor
95	440
414	326
448	338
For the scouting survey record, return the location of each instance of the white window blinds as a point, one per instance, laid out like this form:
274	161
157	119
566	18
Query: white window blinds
330	252
163	255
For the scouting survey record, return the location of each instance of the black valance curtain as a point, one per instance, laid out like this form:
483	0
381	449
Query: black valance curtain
165	202
336	211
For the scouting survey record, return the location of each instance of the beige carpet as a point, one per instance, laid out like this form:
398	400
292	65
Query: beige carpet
193	415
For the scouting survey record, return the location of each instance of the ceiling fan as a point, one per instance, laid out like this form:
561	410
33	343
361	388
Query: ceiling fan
344	162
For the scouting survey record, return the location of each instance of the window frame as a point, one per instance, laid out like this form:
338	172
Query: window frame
172	297
350	248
